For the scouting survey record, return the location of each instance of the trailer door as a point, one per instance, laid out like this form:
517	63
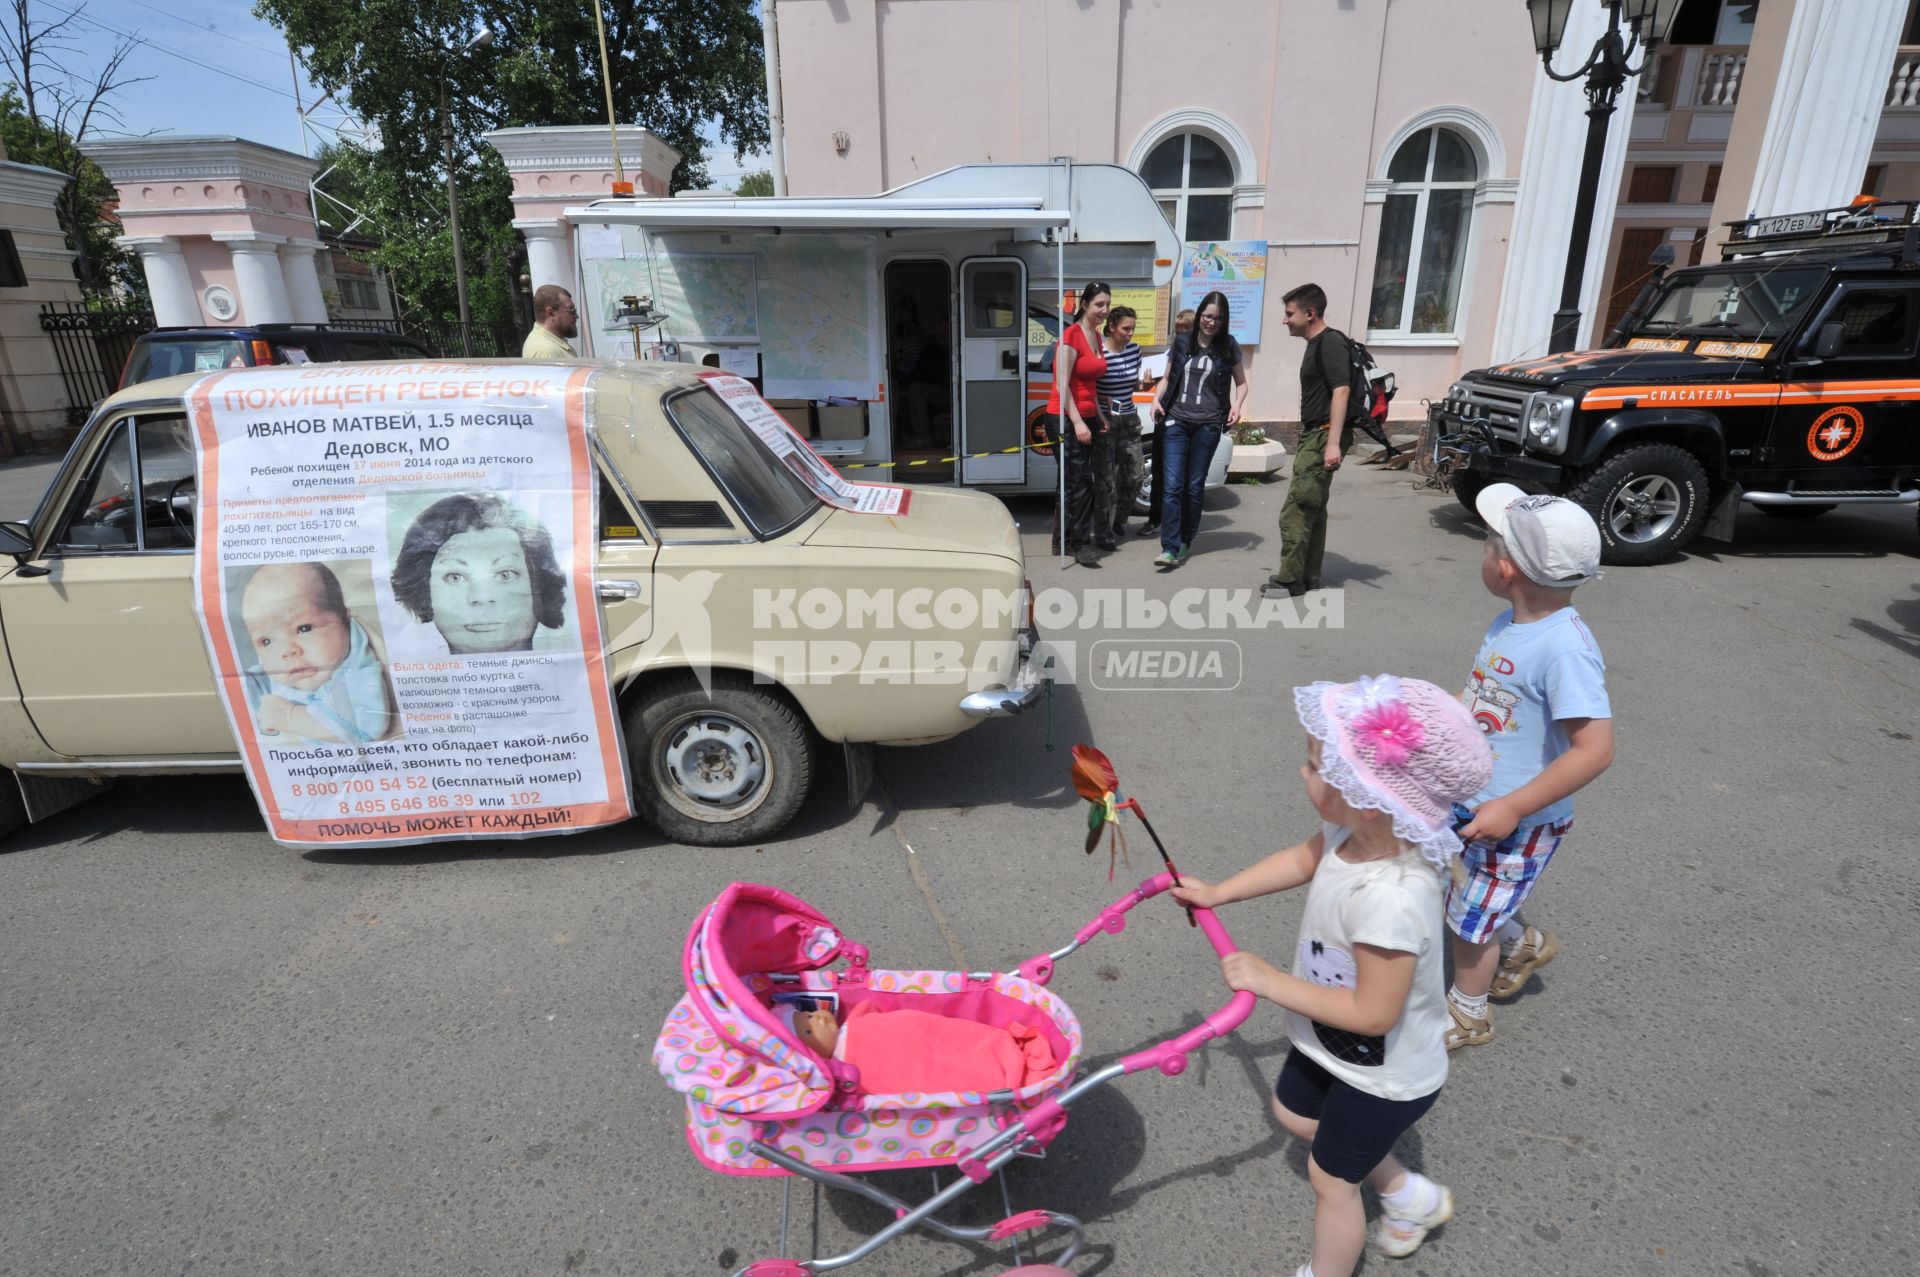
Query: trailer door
993	383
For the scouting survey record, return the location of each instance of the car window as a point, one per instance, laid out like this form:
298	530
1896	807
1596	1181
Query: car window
152	360
350	348
165	452
617	522
1875	322
104	515
1746	303
1043	337
770	496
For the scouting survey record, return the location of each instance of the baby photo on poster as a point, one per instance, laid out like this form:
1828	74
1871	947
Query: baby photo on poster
311	652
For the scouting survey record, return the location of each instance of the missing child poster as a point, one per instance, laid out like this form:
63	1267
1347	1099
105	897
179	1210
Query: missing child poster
786	444
394	576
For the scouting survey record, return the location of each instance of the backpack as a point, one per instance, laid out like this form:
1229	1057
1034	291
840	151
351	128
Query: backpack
1371	388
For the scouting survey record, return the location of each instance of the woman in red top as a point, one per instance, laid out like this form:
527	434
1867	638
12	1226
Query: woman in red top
1077	366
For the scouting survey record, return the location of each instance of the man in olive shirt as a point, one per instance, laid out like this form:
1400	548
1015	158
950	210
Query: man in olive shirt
1324	392
554	320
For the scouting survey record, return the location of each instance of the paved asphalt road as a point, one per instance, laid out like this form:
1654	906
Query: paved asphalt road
218	1055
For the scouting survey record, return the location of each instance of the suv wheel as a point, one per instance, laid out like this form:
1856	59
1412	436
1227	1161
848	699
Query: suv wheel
1467	485
1649	502
719	770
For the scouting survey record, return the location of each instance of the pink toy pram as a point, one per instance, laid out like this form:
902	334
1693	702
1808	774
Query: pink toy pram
762	1102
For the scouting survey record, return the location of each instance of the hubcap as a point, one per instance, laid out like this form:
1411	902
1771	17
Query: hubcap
1644	509
715	765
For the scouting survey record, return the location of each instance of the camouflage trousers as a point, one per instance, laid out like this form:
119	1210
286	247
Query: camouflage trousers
1117	483
1303	519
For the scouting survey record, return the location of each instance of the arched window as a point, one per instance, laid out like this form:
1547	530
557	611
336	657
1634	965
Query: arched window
1192	178
1424	226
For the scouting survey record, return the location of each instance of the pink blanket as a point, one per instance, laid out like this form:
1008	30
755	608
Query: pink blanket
901	1051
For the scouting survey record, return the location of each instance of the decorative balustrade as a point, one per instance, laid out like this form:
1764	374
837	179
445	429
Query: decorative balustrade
1903	88
1720	73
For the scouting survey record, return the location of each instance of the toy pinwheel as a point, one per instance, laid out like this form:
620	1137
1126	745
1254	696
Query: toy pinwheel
1095	780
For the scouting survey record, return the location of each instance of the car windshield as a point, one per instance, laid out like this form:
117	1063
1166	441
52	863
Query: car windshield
152	360
1751	304
771	497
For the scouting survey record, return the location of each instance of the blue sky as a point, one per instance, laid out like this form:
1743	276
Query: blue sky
214	68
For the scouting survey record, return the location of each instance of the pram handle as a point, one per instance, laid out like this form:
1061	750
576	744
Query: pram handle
1170	1057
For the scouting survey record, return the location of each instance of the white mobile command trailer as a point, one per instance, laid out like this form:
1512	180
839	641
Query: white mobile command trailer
904	327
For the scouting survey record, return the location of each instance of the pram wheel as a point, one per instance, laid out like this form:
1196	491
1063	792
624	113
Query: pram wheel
717	770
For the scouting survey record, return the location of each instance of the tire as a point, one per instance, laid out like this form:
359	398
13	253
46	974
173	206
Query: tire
13	806
1795	511
1467	485
720	770
1143	499
1649	502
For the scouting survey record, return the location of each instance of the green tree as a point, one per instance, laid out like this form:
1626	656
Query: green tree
47	113
755	184
676	64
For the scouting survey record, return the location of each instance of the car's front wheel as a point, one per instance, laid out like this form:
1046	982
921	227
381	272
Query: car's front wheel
1467	486
1649	502
717	770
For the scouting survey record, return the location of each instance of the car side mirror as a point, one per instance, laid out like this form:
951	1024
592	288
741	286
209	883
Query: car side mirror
1832	334
15	540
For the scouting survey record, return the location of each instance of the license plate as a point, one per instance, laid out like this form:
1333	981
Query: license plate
1788	224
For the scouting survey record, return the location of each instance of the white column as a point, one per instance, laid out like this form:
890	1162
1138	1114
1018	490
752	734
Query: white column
256	268
169	282
549	252
1549	184
302	276
1826	105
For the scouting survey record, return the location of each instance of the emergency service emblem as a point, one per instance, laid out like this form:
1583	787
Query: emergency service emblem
1835	433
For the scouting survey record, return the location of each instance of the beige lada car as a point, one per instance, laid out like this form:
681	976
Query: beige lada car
752	629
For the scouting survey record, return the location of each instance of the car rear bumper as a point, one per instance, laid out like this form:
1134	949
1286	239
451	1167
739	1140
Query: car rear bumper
1018	695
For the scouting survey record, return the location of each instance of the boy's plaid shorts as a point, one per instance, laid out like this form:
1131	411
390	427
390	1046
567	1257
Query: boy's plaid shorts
1496	877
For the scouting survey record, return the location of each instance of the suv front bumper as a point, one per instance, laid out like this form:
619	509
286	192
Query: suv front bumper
1473	448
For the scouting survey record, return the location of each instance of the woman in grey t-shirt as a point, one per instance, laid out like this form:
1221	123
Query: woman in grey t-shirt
1198	404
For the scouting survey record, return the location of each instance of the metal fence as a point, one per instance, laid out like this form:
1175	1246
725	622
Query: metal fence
91	343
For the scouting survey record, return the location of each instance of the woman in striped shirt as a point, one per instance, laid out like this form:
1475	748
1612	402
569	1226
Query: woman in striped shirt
1116	489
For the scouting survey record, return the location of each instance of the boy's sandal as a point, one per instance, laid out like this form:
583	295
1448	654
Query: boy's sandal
1536	949
1465	1030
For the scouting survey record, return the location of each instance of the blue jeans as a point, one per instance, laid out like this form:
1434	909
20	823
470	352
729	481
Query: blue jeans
1185	454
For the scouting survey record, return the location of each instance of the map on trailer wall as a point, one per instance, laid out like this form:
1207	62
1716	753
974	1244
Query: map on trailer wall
816	316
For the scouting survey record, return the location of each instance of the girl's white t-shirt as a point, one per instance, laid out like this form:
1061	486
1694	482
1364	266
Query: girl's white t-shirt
1391	904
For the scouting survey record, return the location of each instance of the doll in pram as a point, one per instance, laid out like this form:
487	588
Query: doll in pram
764	1101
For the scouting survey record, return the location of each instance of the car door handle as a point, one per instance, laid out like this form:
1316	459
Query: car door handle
617	589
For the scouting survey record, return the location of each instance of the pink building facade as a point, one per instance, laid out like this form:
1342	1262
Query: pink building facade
1411	159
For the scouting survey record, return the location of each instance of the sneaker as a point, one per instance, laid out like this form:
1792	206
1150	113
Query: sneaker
1181	557
1467	1031
1275	584
1086	558
1535	950
1149	530
1401	1237
1167	559
1107	543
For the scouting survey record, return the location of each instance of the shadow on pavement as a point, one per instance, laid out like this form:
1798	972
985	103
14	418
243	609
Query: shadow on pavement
1000	763
1904	613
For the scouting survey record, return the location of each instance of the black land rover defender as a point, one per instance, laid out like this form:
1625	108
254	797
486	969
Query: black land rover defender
1787	376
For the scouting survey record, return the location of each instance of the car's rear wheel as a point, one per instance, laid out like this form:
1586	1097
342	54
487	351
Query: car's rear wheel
718	770
1649	502
1467	485
1795	511
13	804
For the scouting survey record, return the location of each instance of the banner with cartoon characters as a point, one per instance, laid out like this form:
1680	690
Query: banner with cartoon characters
394	576
1238	269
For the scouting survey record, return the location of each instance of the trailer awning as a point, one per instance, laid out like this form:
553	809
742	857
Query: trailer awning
820	215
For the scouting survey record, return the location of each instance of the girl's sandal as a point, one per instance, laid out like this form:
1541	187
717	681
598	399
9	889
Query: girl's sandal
1536	949
1467	1031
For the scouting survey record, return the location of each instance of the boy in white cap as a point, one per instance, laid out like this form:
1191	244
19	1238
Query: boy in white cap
1539	692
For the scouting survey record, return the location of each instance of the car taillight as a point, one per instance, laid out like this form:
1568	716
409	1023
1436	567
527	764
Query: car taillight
1028	587
262	352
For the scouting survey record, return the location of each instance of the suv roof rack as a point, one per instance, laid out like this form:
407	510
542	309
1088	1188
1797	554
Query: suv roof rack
1829	232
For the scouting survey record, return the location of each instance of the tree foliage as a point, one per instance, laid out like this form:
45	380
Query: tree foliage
48	111
758	183
676	64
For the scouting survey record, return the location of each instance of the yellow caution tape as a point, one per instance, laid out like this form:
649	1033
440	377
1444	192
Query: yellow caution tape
934	461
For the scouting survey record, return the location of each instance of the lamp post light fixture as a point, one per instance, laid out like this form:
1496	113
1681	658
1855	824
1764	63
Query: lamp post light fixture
1607	69
481	39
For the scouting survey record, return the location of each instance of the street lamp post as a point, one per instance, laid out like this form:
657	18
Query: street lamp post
481	39
1607	69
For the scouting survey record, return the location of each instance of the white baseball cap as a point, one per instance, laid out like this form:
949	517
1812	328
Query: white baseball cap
1554	541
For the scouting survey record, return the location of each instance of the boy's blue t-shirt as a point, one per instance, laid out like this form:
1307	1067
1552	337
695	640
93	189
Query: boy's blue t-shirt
1526	679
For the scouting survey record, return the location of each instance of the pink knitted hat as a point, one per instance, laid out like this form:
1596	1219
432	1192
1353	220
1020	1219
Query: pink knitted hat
1402	746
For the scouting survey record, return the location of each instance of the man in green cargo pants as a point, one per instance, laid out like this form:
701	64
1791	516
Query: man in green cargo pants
1323	400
